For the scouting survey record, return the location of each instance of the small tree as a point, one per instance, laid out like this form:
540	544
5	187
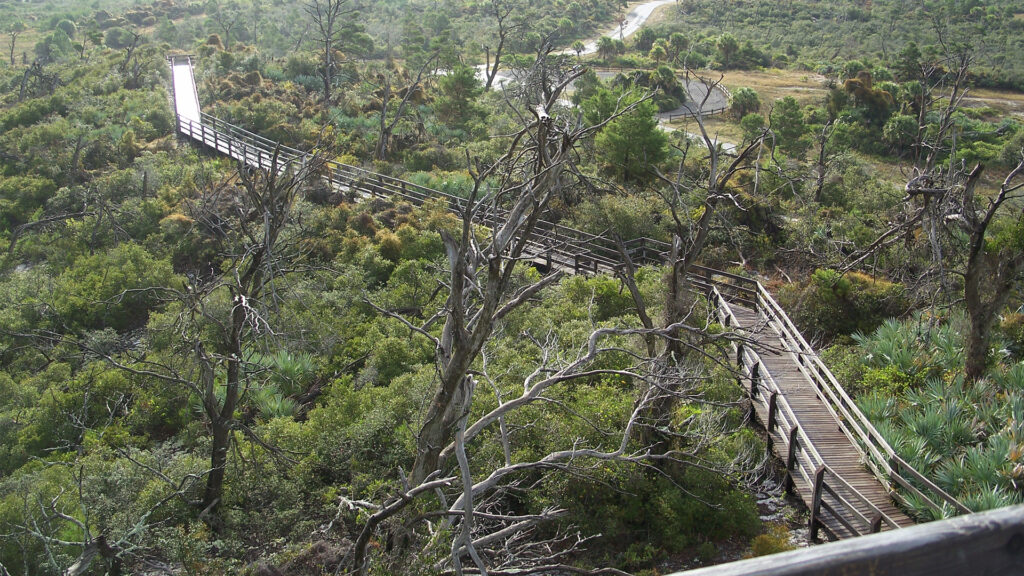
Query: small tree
745	101
606	48
753	126
728	49
394	100
14	29
578	47
334	21
678	43
632	143
506	15
458	90
787	121
657	53
223	313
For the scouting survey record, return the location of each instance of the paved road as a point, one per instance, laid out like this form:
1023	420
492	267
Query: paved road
635	18
695	101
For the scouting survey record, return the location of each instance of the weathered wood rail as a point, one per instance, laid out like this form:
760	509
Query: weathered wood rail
988	543
849	490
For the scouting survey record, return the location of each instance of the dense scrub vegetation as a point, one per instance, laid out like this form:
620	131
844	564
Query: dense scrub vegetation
829	36
212	370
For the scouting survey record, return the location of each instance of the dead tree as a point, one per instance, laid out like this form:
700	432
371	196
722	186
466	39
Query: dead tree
331	19
955	220
712	188
504	12
59	525
228	17
991	267
223	313
394	103
704	187
14	29
475	510
511	196
534	170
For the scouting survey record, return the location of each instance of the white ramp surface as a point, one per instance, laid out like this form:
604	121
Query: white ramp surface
186	100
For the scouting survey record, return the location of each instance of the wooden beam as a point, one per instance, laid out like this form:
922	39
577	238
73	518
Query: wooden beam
984	543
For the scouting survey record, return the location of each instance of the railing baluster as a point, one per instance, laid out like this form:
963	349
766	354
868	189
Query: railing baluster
791	460
876	524
814	522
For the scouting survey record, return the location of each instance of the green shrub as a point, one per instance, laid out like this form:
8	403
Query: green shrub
833	304
116	288
774	541
1012	328
707	552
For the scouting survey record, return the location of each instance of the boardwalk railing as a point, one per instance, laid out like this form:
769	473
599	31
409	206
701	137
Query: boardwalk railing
831	495
561	247
554	245
691	113
984	543
830	492
878	455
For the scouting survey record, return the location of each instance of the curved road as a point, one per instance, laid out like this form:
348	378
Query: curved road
635	18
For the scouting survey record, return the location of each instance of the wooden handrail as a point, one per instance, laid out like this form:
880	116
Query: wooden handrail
983	543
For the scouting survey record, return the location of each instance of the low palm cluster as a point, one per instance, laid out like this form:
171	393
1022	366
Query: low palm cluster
968	437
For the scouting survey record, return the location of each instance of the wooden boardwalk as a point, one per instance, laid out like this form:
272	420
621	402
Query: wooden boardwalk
837	462
823	432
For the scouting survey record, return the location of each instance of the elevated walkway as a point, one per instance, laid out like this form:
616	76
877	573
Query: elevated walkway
841	467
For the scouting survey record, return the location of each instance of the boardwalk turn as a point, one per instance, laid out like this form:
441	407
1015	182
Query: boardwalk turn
839	464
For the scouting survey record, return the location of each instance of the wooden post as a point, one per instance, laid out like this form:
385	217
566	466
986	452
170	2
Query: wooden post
876	524
773	408
791	457
547	259
819	481
789	483
576	263
755	378
739	363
